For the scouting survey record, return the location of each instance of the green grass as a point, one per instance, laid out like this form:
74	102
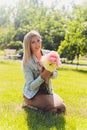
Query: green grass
1	53
71	85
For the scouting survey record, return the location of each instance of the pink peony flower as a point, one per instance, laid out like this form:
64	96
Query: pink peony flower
50	61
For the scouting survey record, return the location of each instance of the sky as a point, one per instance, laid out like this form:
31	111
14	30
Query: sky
47	2
7	2
65	2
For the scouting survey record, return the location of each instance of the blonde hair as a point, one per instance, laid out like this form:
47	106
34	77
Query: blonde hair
26	45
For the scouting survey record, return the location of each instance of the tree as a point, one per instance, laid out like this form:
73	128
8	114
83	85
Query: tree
4	16
6	35
75	43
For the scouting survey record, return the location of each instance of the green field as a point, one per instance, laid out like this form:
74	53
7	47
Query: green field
71	85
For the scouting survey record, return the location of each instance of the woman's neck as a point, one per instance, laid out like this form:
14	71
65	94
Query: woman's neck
38	55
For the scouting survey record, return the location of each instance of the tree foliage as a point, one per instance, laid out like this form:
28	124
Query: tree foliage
75	42
61	30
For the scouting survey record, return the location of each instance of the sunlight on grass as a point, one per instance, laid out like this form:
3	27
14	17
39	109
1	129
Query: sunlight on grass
71	85
1	53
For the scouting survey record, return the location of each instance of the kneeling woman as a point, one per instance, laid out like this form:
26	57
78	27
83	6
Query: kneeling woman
36	93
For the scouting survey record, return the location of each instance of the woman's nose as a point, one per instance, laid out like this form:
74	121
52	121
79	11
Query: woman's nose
37	43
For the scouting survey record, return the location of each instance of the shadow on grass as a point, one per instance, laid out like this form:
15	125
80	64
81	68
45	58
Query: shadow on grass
37	120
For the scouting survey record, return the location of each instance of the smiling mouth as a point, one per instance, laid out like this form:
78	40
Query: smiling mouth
37	48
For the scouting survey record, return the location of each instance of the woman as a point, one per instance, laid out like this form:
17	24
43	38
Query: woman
35	92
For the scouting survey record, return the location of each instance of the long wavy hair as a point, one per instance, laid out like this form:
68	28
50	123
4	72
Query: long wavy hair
26	45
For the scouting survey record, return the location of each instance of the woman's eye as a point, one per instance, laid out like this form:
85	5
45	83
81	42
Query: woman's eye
33	42
38	40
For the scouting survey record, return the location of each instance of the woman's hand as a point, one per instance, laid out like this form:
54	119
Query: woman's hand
45	74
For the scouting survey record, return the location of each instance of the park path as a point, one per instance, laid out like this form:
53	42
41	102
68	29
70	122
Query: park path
75	65
63	64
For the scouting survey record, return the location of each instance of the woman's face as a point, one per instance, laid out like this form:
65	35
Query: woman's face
35	44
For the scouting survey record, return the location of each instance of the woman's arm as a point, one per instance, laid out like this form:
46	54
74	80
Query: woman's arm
29	79
45	74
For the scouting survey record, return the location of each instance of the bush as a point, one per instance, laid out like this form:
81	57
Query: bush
15	45
20	52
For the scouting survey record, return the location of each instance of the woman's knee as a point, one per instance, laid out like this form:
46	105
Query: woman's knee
58	109
61	108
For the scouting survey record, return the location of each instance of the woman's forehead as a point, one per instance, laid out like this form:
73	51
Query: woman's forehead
35	37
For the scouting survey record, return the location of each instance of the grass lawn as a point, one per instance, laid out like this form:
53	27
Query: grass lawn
71	85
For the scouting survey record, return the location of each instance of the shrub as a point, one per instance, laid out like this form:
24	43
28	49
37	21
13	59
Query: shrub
15	45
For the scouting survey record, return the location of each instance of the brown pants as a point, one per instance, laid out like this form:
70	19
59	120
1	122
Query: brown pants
46	102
